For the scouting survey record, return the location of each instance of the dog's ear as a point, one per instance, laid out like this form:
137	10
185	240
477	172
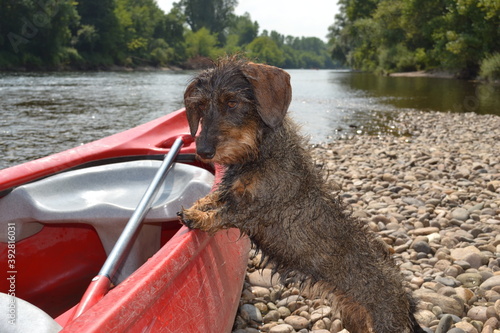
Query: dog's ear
192	112
272	89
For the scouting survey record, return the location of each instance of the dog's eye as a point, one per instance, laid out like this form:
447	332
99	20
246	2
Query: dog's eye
232	104
202	106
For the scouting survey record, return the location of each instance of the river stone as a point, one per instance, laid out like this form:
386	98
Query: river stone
490	325
297	322
263	278
492	282
460	214
251	330
444	324
478	313
272	315
320	312
413	201
442	265
421	246
250	312
447	281
456	330
463	264
287	300
425	317
470	280
319	325
464	293
474	259
284	311
260	291
466	327
461	253
282	328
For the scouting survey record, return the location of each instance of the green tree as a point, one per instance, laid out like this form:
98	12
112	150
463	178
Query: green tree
214	15
100	38
245	29
35	33
202	44
144	28
389	35
265	50
173	25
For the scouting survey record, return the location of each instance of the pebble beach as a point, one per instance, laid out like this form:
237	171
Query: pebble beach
431	190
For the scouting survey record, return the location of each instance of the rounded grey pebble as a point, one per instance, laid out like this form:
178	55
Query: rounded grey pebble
444	324
250	312
447	281
422	246
456	330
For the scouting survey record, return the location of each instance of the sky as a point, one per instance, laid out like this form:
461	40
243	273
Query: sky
309	18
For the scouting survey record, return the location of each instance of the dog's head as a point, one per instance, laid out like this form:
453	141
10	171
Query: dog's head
235	102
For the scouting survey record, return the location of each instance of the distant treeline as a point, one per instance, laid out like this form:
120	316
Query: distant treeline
100	34
462	36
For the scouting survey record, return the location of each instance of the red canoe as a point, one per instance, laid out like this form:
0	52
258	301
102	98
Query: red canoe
61	215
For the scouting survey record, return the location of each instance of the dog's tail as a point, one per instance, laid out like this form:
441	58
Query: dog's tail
415	327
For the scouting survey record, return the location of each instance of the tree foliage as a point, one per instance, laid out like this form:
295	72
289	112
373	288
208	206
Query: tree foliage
99	34
405	35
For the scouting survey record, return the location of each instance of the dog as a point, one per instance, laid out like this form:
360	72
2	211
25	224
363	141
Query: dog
272	191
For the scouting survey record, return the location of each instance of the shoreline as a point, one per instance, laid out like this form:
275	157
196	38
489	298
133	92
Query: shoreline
431	74
434	197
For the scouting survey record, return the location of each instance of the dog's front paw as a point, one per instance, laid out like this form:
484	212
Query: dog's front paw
196	219
185	220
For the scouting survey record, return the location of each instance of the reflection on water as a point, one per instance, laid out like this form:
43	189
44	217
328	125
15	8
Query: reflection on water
429	93
44	113
333	103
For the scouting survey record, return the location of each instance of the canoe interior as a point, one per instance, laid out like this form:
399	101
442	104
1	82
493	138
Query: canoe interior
58	262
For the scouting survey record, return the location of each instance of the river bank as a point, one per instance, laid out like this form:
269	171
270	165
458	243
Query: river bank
433	195
432	74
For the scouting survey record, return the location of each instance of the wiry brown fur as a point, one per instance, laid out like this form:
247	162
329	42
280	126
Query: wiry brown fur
272	192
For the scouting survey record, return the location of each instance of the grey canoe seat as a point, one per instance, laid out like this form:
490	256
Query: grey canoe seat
105	197
18	316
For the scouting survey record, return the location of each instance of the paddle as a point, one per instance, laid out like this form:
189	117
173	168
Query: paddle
101	283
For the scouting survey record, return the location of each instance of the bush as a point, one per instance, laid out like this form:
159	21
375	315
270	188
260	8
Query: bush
8	60
490	68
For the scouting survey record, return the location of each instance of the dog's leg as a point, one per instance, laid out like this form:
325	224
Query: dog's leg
354	316
203	214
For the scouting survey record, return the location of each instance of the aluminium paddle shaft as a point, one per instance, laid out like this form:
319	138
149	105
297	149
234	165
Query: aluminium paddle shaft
101	283
125	241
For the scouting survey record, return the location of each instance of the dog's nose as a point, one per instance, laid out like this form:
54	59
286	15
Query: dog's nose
206	154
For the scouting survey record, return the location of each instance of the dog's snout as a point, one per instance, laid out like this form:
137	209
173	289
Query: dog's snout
205	152
206	155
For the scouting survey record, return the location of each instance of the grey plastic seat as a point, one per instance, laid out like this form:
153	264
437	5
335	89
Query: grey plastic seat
105	197
24	317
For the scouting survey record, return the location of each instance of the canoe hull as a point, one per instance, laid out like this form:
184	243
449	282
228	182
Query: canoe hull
193	284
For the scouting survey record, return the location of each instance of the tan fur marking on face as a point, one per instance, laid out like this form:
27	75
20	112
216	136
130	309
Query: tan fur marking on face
239	145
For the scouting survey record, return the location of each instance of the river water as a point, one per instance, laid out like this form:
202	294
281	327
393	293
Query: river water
44	113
